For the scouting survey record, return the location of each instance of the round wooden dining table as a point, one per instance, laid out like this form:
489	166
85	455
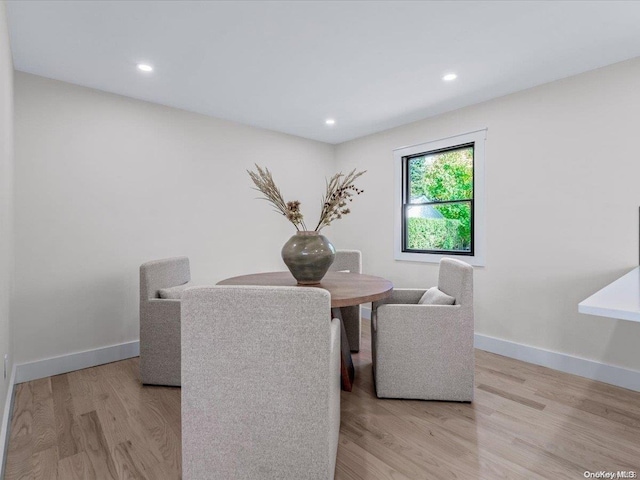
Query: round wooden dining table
346	289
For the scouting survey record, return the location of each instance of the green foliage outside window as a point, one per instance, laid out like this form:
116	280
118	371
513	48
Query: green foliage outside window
445	176
433	234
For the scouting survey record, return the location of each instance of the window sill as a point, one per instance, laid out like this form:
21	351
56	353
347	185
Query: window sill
475	260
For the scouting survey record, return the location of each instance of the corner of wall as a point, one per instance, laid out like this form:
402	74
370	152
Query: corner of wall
6	230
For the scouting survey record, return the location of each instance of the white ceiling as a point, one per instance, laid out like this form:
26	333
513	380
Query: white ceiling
287	66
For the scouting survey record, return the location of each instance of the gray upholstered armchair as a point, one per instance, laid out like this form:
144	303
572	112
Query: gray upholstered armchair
160	320
260	383
426	351
350	260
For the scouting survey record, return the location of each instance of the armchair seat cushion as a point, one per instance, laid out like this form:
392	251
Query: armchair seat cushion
435	296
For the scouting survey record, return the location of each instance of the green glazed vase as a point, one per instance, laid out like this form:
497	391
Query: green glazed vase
308	256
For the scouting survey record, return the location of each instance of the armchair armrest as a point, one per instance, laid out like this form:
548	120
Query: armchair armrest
421	313
164	301
335	378
335	335
163	308
335	354
407	322
160	345
160	319
401	295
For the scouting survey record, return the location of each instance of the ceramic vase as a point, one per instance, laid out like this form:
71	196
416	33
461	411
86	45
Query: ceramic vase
308	256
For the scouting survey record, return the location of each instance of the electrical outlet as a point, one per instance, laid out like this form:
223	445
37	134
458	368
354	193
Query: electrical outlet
6	360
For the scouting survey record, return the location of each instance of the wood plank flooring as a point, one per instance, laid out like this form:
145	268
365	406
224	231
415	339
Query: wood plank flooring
527	422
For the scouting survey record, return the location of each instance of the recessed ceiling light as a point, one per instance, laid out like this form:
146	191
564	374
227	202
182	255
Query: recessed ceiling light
330	121
144	67
449	77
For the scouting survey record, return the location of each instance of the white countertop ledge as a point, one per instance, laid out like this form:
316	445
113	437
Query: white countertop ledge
620	299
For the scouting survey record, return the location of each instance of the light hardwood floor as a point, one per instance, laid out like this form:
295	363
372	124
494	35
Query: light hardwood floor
526	422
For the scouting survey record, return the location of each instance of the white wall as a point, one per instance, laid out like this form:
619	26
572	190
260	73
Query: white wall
563	190
105	183
6	201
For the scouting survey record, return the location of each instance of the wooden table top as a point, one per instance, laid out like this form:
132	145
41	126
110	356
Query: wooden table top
346	289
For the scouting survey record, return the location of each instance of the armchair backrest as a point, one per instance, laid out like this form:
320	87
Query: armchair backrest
456	279
347	260
256	382
168	272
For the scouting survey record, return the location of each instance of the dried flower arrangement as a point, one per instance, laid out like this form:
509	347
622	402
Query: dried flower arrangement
339	190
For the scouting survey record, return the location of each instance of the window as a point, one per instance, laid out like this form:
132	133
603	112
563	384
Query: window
440	199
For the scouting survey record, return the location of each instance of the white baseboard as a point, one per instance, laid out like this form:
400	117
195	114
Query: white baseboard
621	377
618	376
6	421
48	367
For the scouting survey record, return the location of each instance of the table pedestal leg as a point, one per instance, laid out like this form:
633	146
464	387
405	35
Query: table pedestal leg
346	362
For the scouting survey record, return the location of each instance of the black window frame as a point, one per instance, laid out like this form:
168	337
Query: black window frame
406	196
